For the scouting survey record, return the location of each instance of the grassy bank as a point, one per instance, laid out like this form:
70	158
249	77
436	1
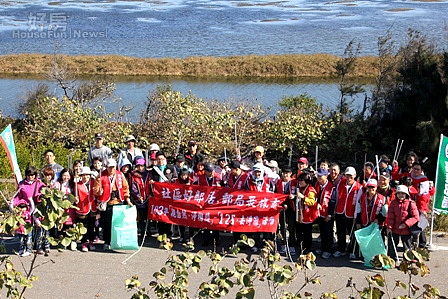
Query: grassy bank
316	65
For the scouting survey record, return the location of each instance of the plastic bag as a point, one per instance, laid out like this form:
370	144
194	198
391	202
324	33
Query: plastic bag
124	228
370	242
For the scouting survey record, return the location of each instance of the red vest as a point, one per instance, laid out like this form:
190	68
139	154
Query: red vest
368	216
202	181
239	182
347	201
324	197
310	213
86	199
252	186
143	186
107	190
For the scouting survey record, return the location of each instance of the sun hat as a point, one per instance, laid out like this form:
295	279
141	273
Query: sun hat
350	171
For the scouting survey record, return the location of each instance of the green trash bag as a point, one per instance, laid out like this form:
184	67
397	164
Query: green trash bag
124	228
370	242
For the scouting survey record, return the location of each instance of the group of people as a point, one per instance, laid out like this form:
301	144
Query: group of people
392	196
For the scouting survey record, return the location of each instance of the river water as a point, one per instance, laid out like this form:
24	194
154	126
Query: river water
180	28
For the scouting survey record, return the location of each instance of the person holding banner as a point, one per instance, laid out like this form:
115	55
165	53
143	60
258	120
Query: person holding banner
259	183
162	172
287	216
209	178
110	188
402	214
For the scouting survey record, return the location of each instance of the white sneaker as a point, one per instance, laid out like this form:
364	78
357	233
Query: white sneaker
254	249
25	253
282	249
339	254
352	256
318	251
292	250
326	255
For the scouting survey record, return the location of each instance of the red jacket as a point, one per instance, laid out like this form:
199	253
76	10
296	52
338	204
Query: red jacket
402	211
105	184
346	202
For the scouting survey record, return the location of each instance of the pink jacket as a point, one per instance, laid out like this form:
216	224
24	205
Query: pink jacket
402	211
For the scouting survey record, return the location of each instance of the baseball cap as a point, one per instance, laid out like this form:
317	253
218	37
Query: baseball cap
140	161
111	162
209	167
191	143
286	169
99	136
303	160
385	174
259	149
372	183
235	164
154	147
180	158
350	171
322	172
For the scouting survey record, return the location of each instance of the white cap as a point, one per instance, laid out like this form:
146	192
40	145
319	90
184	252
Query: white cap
350	171
372	183
403	189
111	162
154	147
85	170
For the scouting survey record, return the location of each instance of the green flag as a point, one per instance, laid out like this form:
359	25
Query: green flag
441	198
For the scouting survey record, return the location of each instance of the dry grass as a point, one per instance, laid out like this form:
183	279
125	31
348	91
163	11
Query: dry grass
316	65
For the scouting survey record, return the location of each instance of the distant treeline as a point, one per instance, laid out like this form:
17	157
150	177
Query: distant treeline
299	65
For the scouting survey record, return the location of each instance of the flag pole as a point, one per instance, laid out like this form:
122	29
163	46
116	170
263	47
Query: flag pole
431	246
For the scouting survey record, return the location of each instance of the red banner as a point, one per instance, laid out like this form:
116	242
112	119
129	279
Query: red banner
215	208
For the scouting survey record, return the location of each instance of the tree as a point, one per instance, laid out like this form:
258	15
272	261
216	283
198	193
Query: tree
300	123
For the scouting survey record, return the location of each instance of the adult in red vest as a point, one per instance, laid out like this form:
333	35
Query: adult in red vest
287	216
86	213
425	189
237	180
209	178
257	182
307	211
348	193
112	188
324	190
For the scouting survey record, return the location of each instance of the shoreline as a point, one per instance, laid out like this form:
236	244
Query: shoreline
269	66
